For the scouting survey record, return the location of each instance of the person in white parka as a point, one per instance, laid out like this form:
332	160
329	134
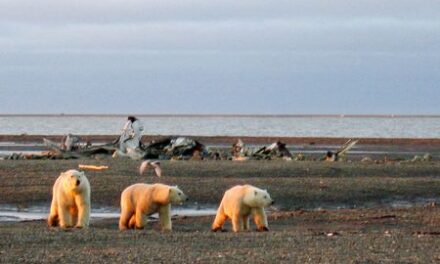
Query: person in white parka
131	135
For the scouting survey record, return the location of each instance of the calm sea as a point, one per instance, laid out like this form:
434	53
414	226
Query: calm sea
297	126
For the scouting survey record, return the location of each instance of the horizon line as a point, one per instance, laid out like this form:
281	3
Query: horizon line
228	115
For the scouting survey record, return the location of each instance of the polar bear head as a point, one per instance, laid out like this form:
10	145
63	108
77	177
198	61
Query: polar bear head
256	197
176	196
73	180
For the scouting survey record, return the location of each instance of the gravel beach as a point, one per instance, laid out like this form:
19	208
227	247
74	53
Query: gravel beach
343	212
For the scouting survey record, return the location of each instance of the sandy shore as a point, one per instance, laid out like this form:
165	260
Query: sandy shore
371	231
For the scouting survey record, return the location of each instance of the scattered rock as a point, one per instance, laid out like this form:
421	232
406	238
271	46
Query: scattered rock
367	160
427	157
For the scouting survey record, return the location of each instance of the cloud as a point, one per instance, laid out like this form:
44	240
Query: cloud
313	25
126	11
304	55
270	35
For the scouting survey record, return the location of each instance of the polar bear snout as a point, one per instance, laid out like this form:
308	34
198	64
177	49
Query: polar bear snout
273	202
182	197
78	182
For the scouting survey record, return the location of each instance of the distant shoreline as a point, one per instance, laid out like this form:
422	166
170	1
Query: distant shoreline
233	115
229	140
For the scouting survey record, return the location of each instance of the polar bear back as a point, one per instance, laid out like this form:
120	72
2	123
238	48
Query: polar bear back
242	198
233	200
147	197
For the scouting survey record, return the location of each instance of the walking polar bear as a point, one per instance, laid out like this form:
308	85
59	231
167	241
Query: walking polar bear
70	201
141	200
238	203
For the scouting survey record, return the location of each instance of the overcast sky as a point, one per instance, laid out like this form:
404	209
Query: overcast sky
205	57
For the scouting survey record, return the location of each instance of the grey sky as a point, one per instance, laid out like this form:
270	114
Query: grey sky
253	57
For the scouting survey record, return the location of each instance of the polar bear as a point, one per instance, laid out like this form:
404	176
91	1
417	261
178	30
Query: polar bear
238	203
70	200
141	200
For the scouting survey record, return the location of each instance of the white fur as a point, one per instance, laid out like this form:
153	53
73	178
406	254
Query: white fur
238	204
70	202
148	164
141	200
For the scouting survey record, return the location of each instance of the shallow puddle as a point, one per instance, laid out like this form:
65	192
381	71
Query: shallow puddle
13	214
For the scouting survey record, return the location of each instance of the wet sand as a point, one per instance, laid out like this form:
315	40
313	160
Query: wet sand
324	213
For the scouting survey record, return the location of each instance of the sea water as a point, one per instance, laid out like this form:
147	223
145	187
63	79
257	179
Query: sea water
289	126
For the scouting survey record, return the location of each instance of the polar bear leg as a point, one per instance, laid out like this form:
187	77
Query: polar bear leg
165	217
245	222
83	208
53	219
65	217
126	220
219	220
73	211
139	218
237	223
132	222
260	219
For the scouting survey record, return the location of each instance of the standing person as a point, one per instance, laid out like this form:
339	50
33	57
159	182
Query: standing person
131	134
70	142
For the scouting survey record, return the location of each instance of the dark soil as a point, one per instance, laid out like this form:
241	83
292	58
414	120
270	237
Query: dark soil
294	185
327	236
298	234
